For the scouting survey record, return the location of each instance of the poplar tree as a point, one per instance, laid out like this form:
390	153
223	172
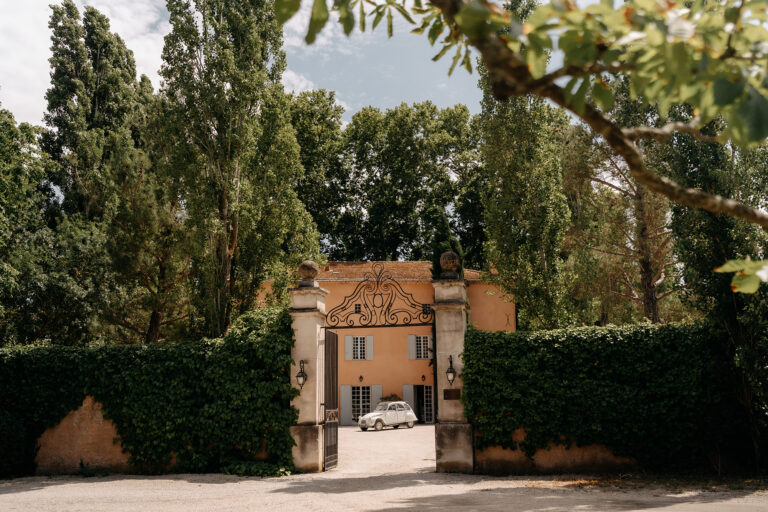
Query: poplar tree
222	63
526	211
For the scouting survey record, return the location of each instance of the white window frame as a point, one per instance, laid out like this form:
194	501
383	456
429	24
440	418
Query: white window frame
429	408
358	348
422	347
361	401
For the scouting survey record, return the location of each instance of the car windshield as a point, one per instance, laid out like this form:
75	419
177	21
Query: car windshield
382	406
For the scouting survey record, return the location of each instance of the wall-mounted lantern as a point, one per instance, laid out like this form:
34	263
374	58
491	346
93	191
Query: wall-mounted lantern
361	378
301	377
450	373
423	378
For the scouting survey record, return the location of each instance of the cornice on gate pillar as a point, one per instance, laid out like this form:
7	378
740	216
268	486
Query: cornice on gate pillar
308	315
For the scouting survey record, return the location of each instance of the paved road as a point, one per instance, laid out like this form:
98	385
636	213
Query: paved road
378	471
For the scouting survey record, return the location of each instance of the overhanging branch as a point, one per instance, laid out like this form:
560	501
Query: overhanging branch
509	76
663	133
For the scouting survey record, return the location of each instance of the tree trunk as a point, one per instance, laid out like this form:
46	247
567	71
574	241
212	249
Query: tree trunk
153	332
156	318
224	285
645	259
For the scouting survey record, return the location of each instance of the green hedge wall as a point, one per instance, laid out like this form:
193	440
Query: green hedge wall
214	403
659	394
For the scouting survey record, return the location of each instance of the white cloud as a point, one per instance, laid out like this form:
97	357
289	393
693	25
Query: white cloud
24	54
294	82
331	38
343	105
25	47
142	24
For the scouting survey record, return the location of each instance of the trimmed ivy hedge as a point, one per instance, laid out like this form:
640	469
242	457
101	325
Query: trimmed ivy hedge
215	404
660	394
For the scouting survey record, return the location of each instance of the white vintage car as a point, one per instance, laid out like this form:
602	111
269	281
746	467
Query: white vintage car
388	414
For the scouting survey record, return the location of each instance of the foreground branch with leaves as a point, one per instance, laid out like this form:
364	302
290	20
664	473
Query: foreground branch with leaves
710	56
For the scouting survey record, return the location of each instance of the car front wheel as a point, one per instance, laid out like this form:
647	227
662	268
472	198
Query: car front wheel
410	424
363	428
379	425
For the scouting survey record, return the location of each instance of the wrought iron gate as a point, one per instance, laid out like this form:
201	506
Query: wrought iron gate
331	403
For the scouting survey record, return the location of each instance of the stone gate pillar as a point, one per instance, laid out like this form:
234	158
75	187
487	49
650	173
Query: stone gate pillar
308	314
453	434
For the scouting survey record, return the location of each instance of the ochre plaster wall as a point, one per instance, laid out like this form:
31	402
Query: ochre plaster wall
489	308
557	459
390	366
83	435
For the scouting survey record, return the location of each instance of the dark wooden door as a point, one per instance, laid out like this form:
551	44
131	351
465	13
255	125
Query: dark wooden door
331	427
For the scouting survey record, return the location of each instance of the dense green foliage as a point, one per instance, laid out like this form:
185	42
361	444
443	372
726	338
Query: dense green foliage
316	119
526	210
658	394
22	221
443	241
399	179
212	403
133	218
705	241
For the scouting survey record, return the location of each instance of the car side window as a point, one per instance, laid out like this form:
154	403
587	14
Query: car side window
400	407
392	407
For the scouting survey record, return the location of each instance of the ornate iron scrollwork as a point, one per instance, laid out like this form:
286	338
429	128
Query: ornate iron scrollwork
379	301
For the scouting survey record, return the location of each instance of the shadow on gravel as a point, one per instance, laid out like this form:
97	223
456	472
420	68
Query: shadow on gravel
343	485
34	483
559	500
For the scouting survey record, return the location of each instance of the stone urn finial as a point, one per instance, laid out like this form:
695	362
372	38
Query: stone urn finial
308	271
449	263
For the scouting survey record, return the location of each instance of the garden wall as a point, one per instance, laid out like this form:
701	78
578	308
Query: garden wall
206	406
84	437
597	399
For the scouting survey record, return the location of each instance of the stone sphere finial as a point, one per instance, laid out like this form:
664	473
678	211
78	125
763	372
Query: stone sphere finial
449	262
308	269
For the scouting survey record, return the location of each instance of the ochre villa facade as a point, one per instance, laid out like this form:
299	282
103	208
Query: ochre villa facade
381	312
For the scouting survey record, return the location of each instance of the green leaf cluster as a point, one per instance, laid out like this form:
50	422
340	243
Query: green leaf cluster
659	394
748	274
711	56
216	405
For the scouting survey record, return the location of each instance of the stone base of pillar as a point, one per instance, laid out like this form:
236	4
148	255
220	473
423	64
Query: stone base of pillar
453	447
308	452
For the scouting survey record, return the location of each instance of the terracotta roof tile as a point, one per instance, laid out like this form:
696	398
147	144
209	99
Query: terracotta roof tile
353	270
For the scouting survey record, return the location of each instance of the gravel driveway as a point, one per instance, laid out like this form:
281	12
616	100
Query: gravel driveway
378	471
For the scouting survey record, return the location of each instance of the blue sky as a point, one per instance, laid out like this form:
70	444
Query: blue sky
364	69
